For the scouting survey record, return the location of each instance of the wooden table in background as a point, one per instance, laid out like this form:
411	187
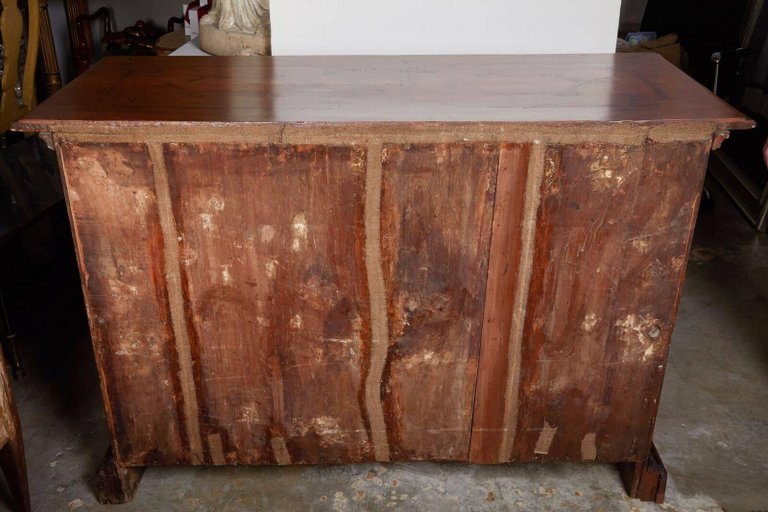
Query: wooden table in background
342	259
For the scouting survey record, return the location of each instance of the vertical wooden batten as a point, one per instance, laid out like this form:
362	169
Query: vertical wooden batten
379	325
176	302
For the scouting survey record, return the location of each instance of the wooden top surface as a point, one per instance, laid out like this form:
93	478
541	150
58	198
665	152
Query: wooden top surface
135	91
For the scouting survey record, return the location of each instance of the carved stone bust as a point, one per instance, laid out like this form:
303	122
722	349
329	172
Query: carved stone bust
236	27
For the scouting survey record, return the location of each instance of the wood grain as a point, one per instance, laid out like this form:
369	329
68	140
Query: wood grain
586	192
606	277
502	292
656	248
172	269
435	255
136	92
277	302
119	241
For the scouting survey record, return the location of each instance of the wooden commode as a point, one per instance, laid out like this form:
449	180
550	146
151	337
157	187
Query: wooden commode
339	259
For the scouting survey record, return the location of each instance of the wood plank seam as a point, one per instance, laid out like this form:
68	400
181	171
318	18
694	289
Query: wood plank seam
496	209
379	325
176	301
528	234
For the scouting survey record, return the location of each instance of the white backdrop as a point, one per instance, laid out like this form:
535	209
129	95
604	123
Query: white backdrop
401	27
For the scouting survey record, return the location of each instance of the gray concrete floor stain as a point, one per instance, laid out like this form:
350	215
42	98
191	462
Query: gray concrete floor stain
712	429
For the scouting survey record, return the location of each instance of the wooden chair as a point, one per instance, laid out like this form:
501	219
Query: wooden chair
138	39
18	97
12	459
18	82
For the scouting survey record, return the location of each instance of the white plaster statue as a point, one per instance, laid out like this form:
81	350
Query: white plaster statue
240	15
236	27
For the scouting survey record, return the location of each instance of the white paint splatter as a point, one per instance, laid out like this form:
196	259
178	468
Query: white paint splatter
296	322
216	203
637	325
225	275
267	233
589	322
141	197
271	268
206	219
128	348
640	245
326	425
644	330
426	357
603	175
249	414
649	352
340	340
300	231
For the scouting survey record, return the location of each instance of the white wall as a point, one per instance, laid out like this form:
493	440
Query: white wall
369	27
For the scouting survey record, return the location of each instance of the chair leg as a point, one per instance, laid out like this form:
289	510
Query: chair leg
14	467
12	460
9	340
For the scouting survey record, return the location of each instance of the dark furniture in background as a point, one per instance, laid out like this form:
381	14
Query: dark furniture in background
739	166
725	41
703	26
138	39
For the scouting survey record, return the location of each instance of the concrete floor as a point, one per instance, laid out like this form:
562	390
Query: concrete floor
712	429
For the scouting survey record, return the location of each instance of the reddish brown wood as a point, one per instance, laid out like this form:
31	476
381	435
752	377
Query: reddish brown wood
657	243
277	302
435	257
12	460
606	276
505	251
112	203
453	258
645	480
498	88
